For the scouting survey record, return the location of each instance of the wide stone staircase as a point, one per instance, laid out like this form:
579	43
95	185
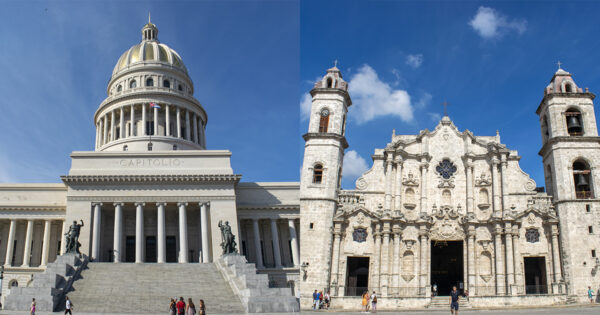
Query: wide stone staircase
148	288
443	303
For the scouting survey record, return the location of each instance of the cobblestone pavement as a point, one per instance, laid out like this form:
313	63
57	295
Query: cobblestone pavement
558	310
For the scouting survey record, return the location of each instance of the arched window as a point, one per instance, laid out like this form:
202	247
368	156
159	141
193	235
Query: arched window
132	84
149	146
409	195
318	174
149	82
324	121
568	88
179	87
119	88
13	284
574	122
166	84
484	197
329	83
581	177
125	148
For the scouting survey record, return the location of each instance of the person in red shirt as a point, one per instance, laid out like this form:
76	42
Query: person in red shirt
180	306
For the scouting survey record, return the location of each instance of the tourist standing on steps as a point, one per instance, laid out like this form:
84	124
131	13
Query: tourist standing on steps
191	308
32	306
315	300
591	294
374	303
68	306
172	307
454	298
180	306
201	308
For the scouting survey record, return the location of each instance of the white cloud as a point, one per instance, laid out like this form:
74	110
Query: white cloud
305	105
424	100
354	165
435	116
489	23
414	61
373	98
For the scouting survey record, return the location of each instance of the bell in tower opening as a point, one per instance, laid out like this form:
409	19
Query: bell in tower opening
574	123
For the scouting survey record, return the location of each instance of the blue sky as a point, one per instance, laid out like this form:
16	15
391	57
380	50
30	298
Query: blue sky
56	58
490	60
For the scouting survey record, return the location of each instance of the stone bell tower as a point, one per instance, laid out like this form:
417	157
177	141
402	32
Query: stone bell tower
571	154
320	180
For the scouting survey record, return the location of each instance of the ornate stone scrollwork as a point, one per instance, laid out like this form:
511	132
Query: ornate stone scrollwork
446	183
483	180
361	184
410	180
408	244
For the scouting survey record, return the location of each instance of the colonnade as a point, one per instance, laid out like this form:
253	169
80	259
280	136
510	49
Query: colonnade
275	234
27	245
186	123
161	248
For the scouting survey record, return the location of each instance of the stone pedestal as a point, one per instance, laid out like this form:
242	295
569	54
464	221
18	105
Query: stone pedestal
253	289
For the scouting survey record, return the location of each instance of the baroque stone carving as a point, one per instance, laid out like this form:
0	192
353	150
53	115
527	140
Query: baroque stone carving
532	235
483	180
361	184
410	180
359	235
228	239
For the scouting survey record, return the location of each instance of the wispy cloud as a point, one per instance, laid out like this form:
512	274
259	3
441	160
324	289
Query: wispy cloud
305	105
374	98
490	24
354	165
414	61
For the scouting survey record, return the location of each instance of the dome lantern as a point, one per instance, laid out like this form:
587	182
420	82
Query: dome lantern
149	31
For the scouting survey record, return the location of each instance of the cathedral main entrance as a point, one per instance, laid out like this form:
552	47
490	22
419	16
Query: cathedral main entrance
357	276
446	265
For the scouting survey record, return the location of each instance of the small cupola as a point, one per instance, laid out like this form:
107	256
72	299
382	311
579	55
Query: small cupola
333	80
562	82
150	31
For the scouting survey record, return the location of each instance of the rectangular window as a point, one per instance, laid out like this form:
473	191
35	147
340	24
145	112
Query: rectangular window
311	226
591	229
323	124
593	253
588	208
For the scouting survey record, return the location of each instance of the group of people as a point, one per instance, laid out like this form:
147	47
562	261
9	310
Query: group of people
369	302
181	308
68	306
320	300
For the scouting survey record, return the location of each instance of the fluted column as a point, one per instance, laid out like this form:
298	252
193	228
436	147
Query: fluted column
294	241
385	258
178	117
257	246
113	135
155	133
96	231
144	120
388	182
118	232
396	261
377	258
183	235
275	240
503	165
187	125
556	254
167	120
510	271
517	255
10	245
160	233
105	130
132	121
424	167
398	196
496	187
46	243
423	261
204	208
471	260
97	135
470	198
27	250
122	123
139	232
335	259
500	284
195	124
63	244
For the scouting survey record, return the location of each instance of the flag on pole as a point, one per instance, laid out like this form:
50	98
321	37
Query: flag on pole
153	105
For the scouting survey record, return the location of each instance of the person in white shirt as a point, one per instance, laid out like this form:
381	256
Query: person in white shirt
373	302
68	306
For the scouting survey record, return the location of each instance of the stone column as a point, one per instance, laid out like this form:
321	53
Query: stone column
517	256
187	126
132	121
118	237
398	196
259	260
27	250
122	124
275	240
178	118
195	126
500	283
105	131
496	187
388	181
139	232
97	135
396	261
510	271
556	254
385	259
46	242
167	121
471	259
96	231
294	241
377	258
155	121
503	165
144	120
204	207
183	235
424	166
113	135
423	240
469	166
335	260
10	248
161	254
63	244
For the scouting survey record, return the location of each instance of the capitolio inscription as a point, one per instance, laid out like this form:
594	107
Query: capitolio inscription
166	162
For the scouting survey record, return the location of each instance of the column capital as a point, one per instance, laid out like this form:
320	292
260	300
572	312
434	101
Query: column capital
204	203
179	204
255	219
97	204
118	204
137	204
161	203
273	220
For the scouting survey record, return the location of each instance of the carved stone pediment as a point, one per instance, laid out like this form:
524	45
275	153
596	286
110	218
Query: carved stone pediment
410	180
483	180
407	278
446	230
446	183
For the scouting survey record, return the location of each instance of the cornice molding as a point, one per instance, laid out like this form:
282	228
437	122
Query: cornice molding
318	135
151	200
181	179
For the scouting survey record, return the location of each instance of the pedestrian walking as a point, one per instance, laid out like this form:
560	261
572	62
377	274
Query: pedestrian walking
190	308
374	303
201	308
591	294
365	301
33	306
180	306
315	300
68	306
320	299
172	307
434	289
327	300
454	298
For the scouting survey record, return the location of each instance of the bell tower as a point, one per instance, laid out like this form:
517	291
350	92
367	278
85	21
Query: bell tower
320	180
571	154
